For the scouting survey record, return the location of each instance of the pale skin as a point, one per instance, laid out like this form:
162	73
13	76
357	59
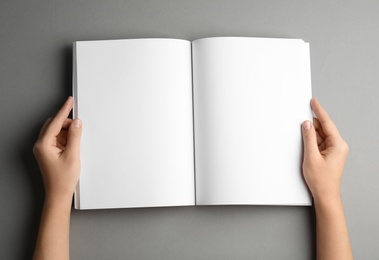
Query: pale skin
57	151
325	154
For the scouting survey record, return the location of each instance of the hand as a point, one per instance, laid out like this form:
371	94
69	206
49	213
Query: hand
325	153
57	151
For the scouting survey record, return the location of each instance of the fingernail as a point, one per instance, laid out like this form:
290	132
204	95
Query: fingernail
307	125
77	123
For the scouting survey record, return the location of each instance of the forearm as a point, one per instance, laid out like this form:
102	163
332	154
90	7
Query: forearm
53	235
331	230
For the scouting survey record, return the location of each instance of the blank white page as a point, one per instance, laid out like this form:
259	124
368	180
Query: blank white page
135	100
250	97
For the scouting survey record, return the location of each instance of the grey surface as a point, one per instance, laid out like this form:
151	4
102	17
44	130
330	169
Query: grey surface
35	78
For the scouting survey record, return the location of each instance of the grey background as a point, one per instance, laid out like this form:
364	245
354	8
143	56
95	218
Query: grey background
35	78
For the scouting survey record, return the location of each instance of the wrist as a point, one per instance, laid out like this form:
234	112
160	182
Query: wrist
324	194
327	202
58	200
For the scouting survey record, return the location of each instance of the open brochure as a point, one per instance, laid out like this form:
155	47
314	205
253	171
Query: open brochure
170	122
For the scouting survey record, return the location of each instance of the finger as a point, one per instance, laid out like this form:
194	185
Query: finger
73	137
327	125
319	132
66	123
320	139
322	147
62	137
56	124
60	146
43	129
318	127
309	139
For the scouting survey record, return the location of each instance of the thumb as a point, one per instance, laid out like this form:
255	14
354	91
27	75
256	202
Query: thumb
309	139
73	137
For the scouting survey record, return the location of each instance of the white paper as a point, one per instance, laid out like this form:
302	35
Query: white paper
250	97
135	100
